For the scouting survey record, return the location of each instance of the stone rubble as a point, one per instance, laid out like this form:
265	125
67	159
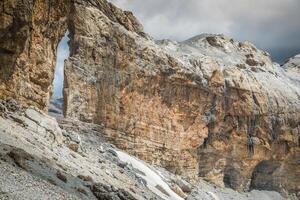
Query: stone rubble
205	108
34	167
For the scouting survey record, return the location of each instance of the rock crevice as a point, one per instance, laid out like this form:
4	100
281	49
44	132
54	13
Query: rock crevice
191	107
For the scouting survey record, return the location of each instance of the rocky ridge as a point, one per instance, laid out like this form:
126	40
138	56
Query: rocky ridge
191	107
42	158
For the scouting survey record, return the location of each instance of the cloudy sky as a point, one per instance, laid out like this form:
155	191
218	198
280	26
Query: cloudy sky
272	25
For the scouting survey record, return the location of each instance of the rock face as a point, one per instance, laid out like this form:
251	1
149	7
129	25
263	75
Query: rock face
207	107
250	97
29	34
191	107
37	162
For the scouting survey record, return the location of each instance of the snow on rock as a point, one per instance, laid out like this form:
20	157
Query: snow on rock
154	182
213	195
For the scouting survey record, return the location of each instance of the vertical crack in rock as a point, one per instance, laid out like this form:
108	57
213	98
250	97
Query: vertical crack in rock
28	40
162	101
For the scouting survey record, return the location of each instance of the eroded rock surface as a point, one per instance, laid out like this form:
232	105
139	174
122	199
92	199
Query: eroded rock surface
190	106
208	106
29	33
34	165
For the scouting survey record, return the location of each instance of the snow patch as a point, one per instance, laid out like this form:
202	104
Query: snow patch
154	182
213	195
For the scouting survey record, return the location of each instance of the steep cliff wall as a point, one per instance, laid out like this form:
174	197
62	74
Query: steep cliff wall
207	106
254	100
198	107
29	33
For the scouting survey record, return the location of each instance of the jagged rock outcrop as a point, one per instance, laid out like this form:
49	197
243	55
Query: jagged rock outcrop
29	35
191	107
292	68
37	162
250	96
198	107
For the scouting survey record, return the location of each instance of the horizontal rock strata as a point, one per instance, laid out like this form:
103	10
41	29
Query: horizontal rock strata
207	106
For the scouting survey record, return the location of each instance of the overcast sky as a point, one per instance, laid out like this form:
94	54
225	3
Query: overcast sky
272	25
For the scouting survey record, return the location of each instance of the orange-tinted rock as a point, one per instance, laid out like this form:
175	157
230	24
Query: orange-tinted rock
189	107
29	34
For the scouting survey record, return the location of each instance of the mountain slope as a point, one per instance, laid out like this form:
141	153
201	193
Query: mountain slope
41	159
207	107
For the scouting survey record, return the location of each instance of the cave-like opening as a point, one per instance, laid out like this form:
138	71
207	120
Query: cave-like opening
57	101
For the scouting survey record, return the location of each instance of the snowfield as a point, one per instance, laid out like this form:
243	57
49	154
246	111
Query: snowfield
154	181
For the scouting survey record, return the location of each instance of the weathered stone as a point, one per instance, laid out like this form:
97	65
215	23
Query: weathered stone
28	48
47	122
107	192
178	191
192	113
20	157
42	159
61	176
184	186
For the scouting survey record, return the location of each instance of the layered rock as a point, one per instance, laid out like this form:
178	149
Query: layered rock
29	34
190	106
38	161
251	98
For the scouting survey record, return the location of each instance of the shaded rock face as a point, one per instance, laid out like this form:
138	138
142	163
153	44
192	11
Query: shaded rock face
258	102
208	106
191	107
29	34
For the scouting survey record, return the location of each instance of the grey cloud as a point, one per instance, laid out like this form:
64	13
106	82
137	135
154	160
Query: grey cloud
272	25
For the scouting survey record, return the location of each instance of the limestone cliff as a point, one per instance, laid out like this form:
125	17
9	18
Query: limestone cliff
191	107
63	159
29	35
198	107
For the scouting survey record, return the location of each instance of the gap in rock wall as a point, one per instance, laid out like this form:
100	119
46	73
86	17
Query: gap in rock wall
63	53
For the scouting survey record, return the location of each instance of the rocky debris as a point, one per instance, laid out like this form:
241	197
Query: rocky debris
20	157
107	192
8	106
149	177
112	152
122	164
177	183
61	176
18	184
73	140
183	185
33	167
178	191
46	122
53	163
208	96
189	106
205	191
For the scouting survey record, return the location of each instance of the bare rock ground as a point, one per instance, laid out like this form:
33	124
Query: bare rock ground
43	159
